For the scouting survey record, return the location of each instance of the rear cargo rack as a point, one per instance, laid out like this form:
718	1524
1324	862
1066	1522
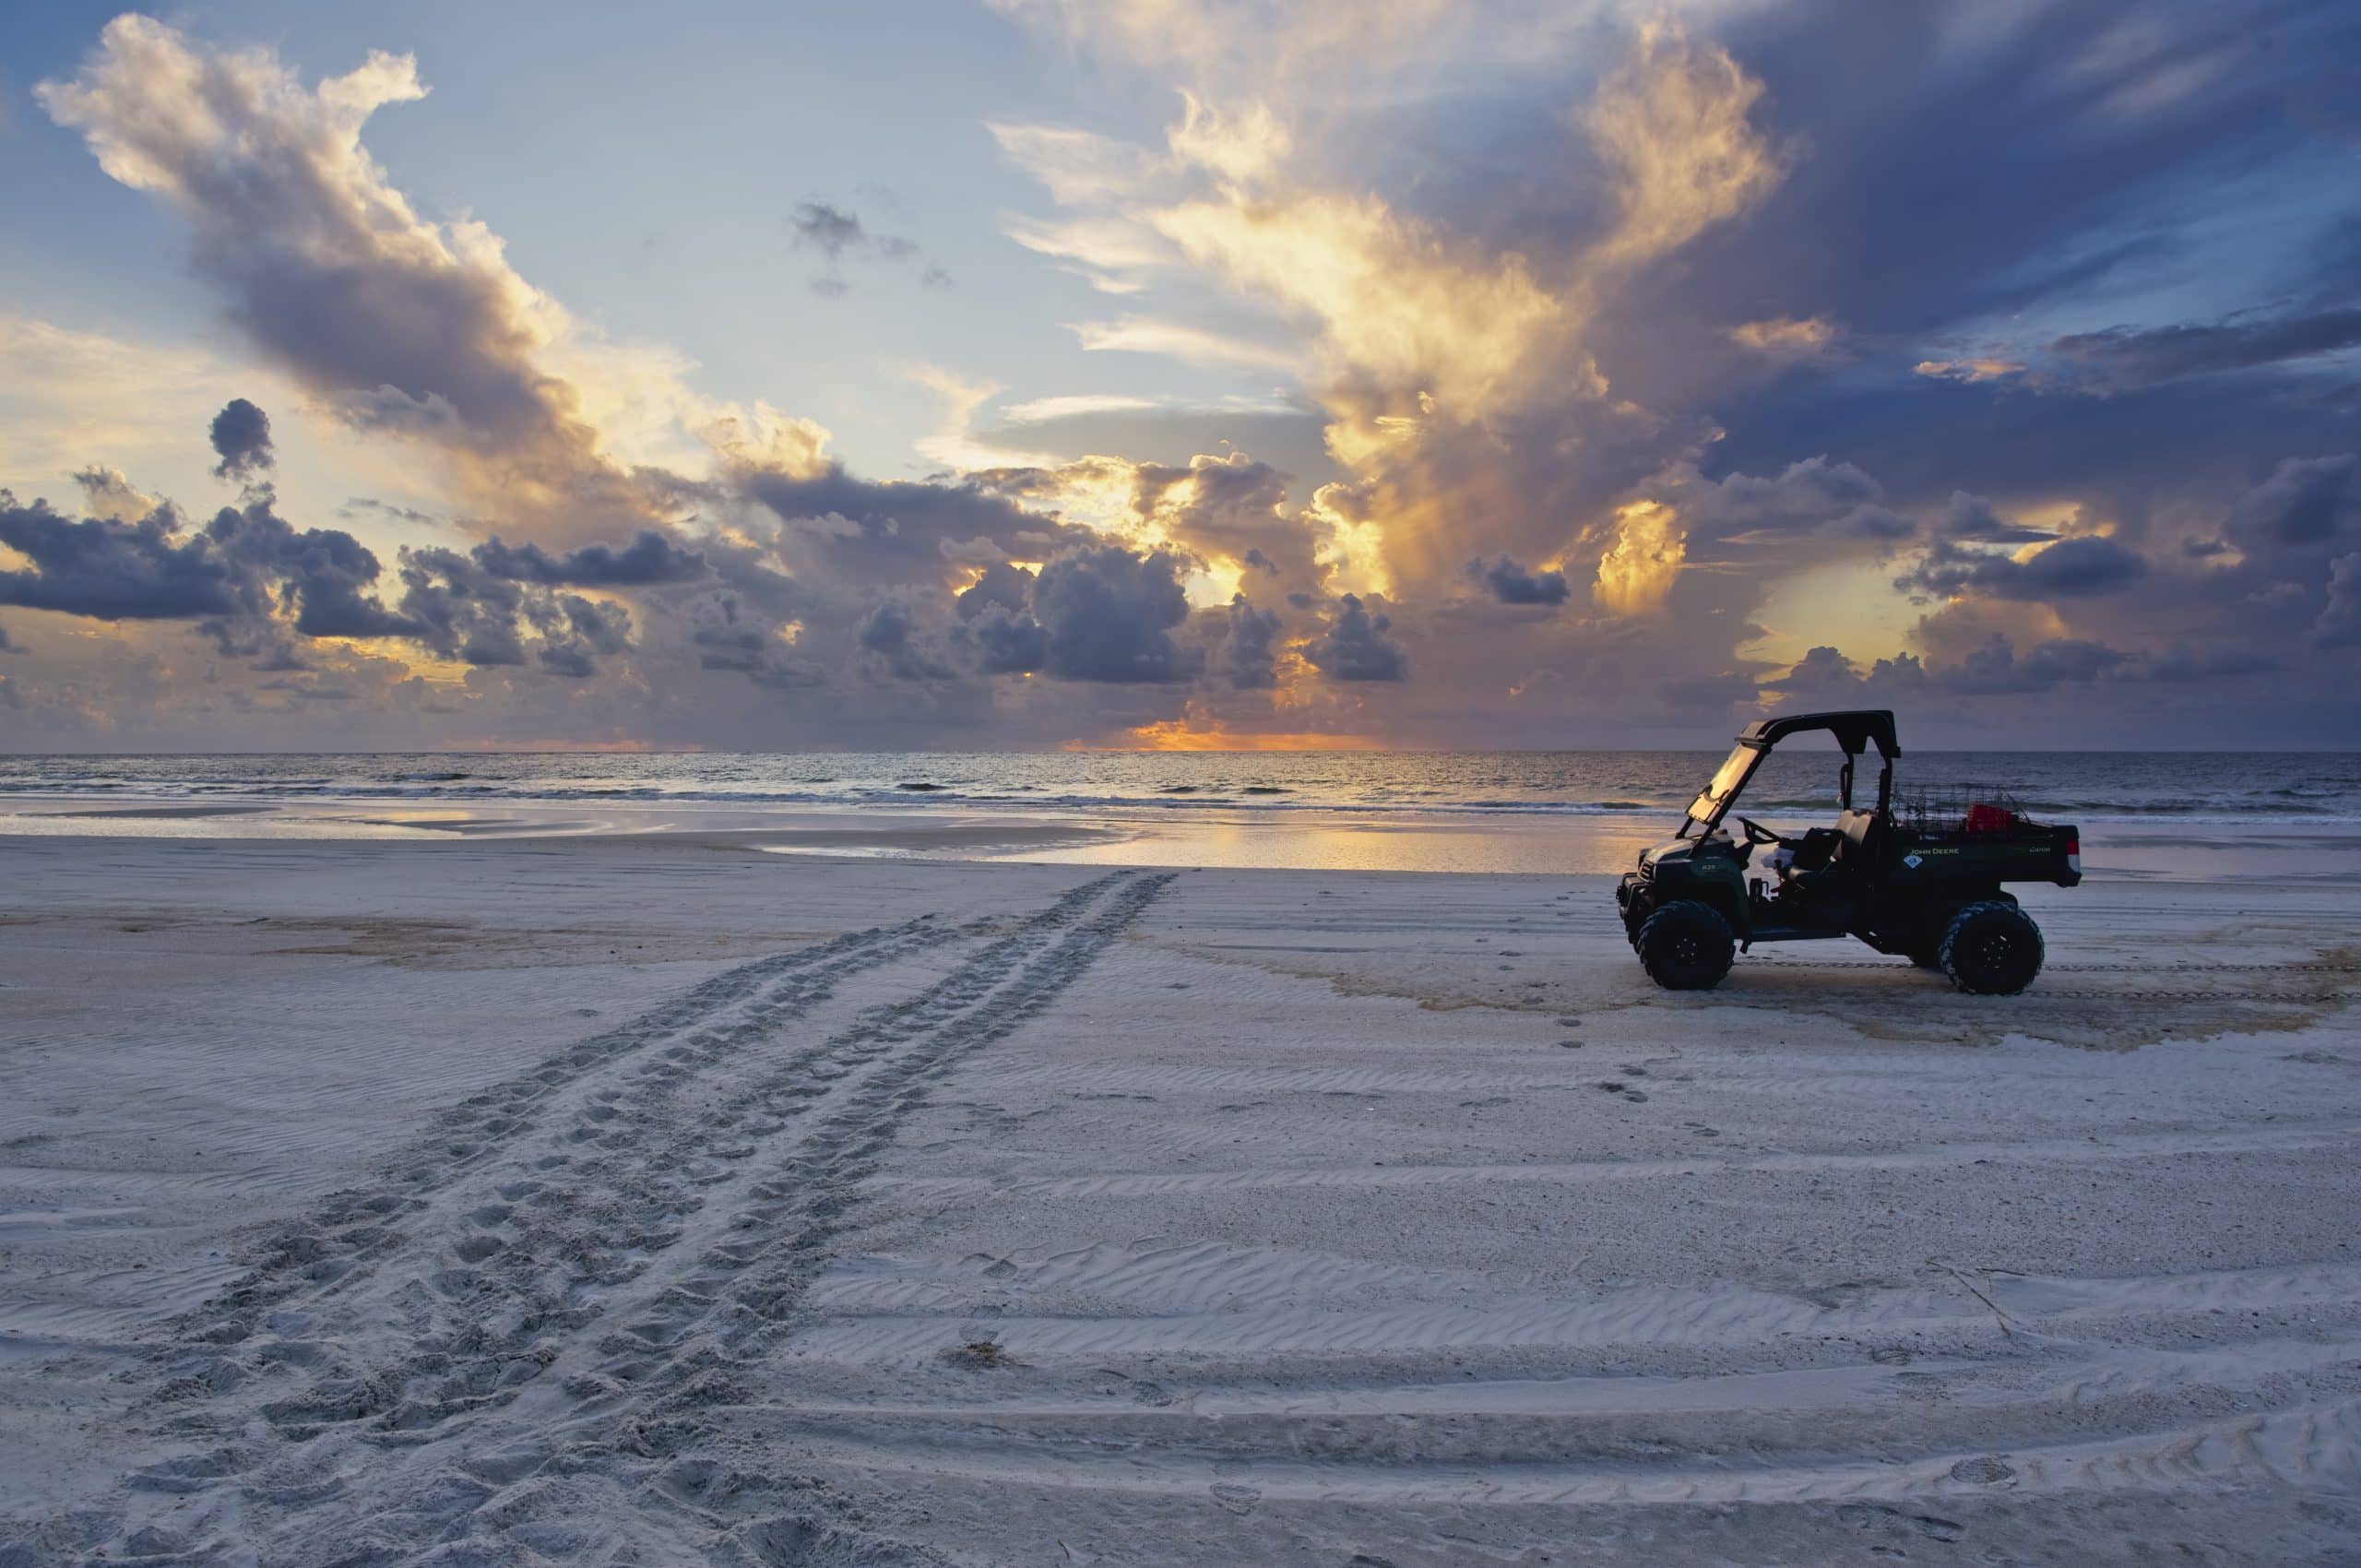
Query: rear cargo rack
1961	808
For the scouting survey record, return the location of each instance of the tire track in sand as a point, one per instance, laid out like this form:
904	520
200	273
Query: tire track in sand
636	1275
352	1232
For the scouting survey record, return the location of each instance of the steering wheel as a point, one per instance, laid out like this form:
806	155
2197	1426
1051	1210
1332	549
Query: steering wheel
1758	835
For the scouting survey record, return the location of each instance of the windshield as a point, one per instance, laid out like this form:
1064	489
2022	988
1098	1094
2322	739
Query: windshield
1727	781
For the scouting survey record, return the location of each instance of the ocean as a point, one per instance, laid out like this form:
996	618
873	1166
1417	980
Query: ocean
2198	787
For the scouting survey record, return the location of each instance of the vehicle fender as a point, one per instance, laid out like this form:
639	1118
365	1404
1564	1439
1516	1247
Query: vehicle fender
1717	882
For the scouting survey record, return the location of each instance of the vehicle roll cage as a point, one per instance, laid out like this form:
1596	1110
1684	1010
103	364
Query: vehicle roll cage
1856	731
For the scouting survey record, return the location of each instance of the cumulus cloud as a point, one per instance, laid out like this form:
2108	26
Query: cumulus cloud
891	632
1512	584
1992	668
1248	653
400	322
1642	560
242	439
1231	508
2306	502
2069	568
1108	614
112	571
1815	493
1355	645
247	580
106	493
651	558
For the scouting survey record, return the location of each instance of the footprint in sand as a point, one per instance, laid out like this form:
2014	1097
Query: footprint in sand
1985	1469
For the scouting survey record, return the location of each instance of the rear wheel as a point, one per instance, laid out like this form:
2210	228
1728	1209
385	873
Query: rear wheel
1991	949
1686	945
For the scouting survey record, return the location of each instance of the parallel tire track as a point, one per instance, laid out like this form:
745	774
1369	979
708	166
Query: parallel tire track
388	1397
353	1230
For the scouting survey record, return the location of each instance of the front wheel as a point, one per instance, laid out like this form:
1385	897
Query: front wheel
1686	945
1991	949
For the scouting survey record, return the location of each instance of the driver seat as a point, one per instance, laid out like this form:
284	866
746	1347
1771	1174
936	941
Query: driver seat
1854	827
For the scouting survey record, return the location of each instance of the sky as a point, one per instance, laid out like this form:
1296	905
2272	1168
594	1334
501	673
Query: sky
1185	374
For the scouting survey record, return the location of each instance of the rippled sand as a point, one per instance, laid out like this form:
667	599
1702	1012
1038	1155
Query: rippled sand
607	1200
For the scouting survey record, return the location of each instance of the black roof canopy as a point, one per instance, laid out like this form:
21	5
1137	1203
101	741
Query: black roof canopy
1856	730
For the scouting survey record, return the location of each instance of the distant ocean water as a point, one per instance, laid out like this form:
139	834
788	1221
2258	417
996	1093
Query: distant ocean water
2317	786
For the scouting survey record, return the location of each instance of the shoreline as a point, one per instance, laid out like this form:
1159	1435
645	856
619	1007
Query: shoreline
1204	837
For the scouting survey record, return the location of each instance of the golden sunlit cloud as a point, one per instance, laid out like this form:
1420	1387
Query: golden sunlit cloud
1642	559
1673	122
1783	338
1968	370
1393	303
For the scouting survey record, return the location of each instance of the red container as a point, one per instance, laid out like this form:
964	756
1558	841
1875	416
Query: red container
1982	818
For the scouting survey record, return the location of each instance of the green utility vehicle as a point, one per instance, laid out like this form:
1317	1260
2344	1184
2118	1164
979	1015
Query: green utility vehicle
1920	878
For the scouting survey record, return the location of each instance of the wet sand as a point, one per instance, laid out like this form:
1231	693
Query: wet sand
603	1199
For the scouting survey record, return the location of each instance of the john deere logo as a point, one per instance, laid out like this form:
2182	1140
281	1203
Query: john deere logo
1912	860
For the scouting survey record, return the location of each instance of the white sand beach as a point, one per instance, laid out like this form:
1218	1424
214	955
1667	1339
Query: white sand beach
603	1199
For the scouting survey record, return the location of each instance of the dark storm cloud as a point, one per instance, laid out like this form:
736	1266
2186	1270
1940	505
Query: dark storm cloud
1973	518
1997	668
231	577
574	630
2123	356
1010	587
2071	568
996	625
1004	641
1354	646
724	638
891	632
242	439
1814	494
146	570
1990	669
327	572
252	582
2082	152
651	558
2052	133
456	605
2306	502
1108	614
894	531
1512	584
1246	655
461	611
